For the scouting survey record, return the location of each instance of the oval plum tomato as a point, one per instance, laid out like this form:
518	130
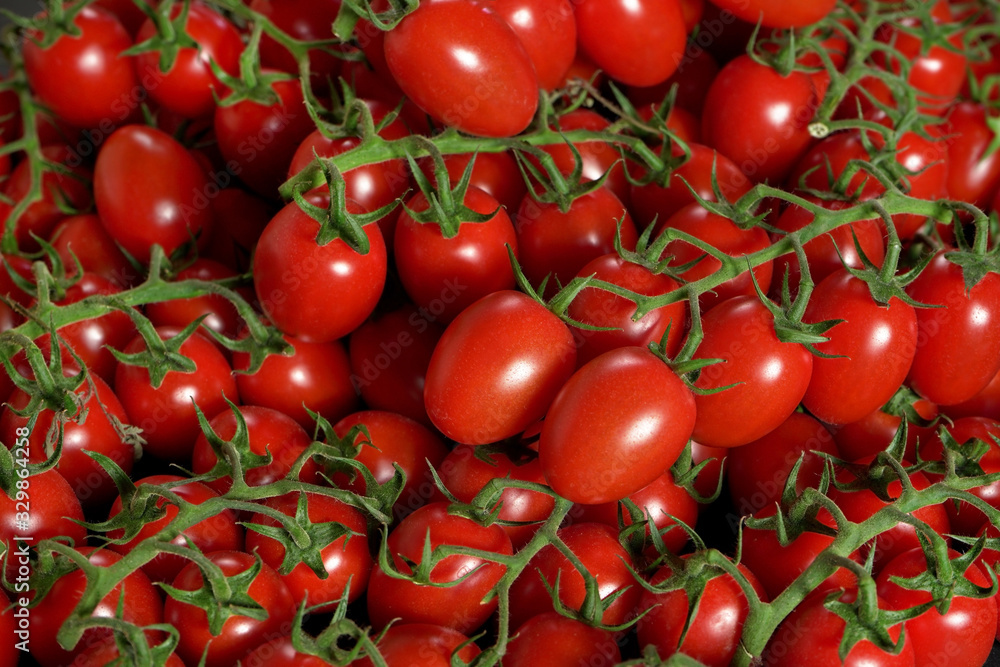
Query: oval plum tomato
638	43
596	546
106	653
617	425
661	502
456	266
984	404
497	174
280	652
91	429
163	204
597	157
218	532
390	354
293	275
935	70
268	432
259	140
771	377
60	515
723	234
82	78
139	600
579	644
765	463
305	20
462	64
547	30
345	560
497	368
973	174
760	119
597	307
713	635
777	566
84	236
660	200
812	635
958	346
832	251
393	440
778	13
873	349
189	87
59	191
422	645
220	314
965	632
466	470
557	243
462	606
317	376
859	505
239	633
872	434
166	413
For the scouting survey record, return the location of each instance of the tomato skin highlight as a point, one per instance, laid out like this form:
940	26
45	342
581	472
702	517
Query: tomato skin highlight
616	425
497	368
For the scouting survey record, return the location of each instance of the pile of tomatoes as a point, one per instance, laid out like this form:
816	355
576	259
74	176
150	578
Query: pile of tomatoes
517	332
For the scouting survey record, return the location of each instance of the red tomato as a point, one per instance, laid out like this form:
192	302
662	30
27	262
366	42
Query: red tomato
497	368
725	235
345	560
166	413
559	243
596	157
547	30
771	377
421	645
984	404
140	603
617	425
874	347
464	472
764	464
305	20
161	206
462	64
973	174
661	502
637	43
90	431
778	13
963	635
759	118
578	644
596	546
459	267
393	439
597	307
82	78
220	314
190	87
811	635
316	376
461	606
240	218
258	140
293	275
269	432
218	532
85	237
693	78
59	191
495	173
280	652
390	354
713	635
968	320
239	633
872	434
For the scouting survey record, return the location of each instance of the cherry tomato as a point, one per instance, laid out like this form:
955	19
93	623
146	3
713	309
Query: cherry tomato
637	43
304	20
84	237
579	643
771	377
547	30
973	174
778	13
497	368
239	633
421	645
462	64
